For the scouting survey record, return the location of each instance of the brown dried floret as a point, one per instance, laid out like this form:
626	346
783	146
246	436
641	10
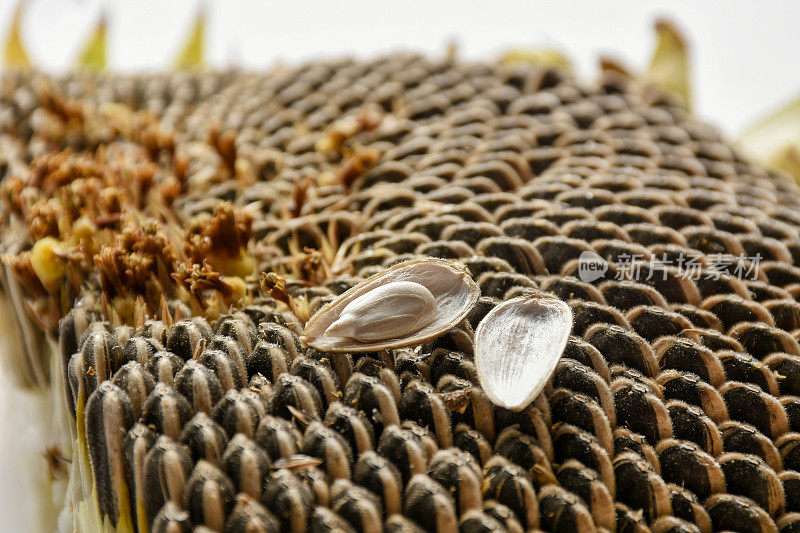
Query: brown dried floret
199	280
222	239
355	165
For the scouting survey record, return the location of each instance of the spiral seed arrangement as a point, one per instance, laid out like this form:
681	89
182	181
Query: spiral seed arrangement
139	214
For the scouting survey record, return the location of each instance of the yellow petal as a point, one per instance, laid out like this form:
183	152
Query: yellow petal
14	54
787	160
669	66
93	54
775	140
191	56
542	57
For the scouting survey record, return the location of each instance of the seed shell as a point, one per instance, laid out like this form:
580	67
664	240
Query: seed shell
451	286
517	347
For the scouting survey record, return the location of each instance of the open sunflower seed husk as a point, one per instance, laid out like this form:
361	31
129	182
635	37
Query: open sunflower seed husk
405	305
517	347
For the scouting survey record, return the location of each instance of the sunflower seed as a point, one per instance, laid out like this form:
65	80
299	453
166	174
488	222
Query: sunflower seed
407	304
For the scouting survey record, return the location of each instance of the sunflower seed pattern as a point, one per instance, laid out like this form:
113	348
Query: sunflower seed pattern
196	223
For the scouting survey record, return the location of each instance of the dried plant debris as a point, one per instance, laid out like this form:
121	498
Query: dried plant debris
280	301
517	347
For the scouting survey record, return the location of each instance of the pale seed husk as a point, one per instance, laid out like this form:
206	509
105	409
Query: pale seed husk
450	284
517	347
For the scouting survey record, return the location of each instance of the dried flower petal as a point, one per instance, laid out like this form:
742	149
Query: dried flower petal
775	140
669	66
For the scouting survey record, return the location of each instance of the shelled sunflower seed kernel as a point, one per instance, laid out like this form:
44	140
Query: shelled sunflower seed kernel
139	213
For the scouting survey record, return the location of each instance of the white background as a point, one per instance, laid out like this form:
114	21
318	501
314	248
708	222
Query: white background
744	52
744	59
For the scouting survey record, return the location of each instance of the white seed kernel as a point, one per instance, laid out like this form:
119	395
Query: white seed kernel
387	312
